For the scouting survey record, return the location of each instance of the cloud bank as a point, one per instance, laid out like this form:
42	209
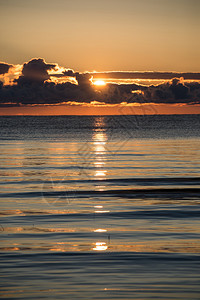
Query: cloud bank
38	83
145	75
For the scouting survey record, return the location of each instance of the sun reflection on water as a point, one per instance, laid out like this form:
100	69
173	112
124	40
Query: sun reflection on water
101	211
100	246
99	145
100	173
100	230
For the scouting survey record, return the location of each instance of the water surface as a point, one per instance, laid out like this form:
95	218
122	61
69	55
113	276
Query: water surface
100	207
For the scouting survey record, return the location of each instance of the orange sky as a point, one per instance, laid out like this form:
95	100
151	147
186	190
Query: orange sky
87	35
101	109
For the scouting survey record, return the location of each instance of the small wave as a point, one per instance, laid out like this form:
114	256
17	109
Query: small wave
132	193
125	181
88	216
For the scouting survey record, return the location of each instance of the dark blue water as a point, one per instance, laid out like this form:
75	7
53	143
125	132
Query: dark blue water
100	207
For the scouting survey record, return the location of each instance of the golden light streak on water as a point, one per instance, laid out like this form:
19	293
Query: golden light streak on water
100	246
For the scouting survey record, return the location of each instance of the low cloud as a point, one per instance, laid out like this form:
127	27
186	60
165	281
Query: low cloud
175	91
146	75
35	85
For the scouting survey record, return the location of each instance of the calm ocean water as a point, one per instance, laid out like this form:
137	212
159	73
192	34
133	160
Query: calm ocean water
100	207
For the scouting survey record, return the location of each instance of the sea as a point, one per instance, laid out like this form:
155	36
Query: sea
100	207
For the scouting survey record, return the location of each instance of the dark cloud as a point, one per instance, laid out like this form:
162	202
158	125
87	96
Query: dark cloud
179	90
146	75
175	91
35	71
4	68
83	80
35	87
69	73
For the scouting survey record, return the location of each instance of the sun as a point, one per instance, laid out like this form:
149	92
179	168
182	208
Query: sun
99	82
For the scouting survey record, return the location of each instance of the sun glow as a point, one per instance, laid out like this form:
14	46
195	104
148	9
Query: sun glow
99	82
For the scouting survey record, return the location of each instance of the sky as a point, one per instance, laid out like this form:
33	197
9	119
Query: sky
50	51
104	35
